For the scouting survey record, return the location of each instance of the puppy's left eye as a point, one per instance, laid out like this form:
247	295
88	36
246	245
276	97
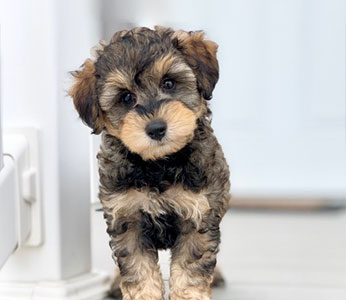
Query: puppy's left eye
129	99
168	84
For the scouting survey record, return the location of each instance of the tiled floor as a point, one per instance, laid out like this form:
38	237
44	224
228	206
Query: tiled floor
269	256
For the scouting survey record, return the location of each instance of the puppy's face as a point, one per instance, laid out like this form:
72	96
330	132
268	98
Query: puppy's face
148	88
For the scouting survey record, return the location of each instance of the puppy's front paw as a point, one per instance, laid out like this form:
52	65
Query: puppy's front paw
147	289
190	294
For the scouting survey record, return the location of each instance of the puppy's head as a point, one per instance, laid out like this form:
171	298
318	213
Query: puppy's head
147	88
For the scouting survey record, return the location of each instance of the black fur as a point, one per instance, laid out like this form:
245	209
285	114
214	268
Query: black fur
149	46
161	174
151	106
160	232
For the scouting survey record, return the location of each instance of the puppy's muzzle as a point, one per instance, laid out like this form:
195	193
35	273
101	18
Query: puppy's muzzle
156	130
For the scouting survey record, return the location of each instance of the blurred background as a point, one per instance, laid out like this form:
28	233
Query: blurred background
278	111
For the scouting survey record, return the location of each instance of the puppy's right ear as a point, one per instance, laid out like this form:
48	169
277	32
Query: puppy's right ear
83	93
200	55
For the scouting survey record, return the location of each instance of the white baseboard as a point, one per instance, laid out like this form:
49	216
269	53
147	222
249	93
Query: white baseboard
92	286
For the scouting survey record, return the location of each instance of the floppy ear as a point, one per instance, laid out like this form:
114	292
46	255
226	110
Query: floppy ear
83	93
200	55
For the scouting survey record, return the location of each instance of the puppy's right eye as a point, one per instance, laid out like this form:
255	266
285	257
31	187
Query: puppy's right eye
168	84
129	99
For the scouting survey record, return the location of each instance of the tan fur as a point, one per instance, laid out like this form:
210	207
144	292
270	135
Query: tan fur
183	67
185	287
195	41
186	282
170	63
181	122
199	51
82	91
186	204
218	281
162	65
83	79
148	283
116	80
133	135
142	279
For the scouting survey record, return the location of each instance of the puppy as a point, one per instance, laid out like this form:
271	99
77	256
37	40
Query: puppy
164	181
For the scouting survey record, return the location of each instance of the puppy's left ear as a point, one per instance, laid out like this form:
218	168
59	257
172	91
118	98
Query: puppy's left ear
200	55
83	93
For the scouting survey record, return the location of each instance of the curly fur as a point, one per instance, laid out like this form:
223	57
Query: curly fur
162	194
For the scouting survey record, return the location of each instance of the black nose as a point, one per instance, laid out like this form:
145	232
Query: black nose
156	130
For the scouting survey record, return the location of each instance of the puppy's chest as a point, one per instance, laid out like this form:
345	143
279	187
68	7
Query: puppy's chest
184	205
174	185
160	175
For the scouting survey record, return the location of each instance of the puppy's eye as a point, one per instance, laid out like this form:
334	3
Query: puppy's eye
168	84
129	99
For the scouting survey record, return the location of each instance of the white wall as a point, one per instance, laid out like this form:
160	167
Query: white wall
29	98
79	26
41	41
279	107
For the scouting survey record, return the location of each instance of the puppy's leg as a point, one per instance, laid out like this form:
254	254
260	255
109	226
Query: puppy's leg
193	263
140	277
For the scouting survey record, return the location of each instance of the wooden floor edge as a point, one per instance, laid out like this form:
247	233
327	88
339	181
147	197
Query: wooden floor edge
287	204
